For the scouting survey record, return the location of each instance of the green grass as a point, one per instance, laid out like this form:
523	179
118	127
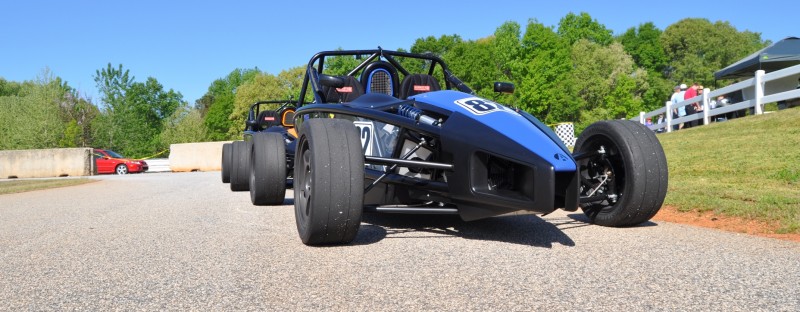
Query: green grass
747	167
19	186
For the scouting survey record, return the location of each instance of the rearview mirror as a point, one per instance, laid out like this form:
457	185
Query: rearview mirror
504	87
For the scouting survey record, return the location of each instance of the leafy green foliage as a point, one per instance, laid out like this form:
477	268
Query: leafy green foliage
696	48
576	27
185	125
605	78
218	102
644	46
30	113
133	116
543	73
436	46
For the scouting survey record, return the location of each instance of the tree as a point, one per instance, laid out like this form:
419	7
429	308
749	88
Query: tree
644	46
78	113
30	115
185	125
506	47
133	116
542	74
607	83
696	48
221	95
436	46
112	84
575	27
472	62
9	88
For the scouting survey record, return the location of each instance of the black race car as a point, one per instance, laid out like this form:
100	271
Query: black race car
399	133
269	137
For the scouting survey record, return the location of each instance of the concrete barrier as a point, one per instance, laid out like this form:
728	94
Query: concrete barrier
205	156
46	163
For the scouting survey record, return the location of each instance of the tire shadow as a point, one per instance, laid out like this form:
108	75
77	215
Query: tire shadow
579	217
528	229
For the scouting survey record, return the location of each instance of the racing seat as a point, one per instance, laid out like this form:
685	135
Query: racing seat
416	84
268	119
380	77
351	90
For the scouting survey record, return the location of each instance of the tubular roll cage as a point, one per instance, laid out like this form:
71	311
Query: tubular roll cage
255	109
318	60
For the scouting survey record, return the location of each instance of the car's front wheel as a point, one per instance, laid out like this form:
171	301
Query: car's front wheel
623	173
328	182
121	169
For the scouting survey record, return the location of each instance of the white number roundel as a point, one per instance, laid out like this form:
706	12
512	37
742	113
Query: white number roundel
479	106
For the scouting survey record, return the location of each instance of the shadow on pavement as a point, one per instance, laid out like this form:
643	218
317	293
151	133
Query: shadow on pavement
582	218
527	229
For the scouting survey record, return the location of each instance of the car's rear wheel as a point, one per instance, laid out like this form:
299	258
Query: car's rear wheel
624	181
121	169
268	169
226	162
240	166
328	182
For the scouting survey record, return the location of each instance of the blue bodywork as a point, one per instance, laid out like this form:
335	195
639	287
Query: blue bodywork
525	130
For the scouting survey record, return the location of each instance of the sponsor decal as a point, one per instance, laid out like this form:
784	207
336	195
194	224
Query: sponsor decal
269	118
422	88
345	90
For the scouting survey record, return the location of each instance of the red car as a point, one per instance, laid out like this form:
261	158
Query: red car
108	161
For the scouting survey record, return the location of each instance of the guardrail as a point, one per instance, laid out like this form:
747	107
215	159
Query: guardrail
158	165
758	101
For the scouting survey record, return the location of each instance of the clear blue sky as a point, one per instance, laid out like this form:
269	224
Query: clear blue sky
188	44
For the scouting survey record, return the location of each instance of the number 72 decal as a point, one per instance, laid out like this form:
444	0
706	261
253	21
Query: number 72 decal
479	106
366	132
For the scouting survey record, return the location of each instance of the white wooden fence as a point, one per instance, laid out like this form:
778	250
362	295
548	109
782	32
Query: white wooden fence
705	99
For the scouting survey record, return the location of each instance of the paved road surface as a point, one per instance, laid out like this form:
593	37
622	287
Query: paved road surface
183	241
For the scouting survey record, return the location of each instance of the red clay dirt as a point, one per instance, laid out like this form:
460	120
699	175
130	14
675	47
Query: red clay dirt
725	223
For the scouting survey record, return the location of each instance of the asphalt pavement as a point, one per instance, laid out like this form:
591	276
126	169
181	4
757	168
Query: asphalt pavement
184	241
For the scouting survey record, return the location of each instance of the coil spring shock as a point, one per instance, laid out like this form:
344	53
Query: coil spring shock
409	111
416	114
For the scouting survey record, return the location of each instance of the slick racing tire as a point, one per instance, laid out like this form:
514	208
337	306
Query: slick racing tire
624	182
226	162
240	166
268	169
328	182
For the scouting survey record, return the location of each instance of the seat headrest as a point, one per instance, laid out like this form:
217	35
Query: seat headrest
416	84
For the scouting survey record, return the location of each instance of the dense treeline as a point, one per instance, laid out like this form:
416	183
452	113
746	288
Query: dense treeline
576	71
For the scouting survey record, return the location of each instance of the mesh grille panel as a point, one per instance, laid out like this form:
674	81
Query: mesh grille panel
380	82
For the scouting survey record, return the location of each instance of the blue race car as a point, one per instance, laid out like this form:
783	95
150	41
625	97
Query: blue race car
382	138
250	164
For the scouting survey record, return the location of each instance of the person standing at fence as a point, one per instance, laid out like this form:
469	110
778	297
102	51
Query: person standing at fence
691	109
676	98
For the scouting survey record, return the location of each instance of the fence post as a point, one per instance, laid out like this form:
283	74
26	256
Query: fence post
759	88
641	118
706	119
668	114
